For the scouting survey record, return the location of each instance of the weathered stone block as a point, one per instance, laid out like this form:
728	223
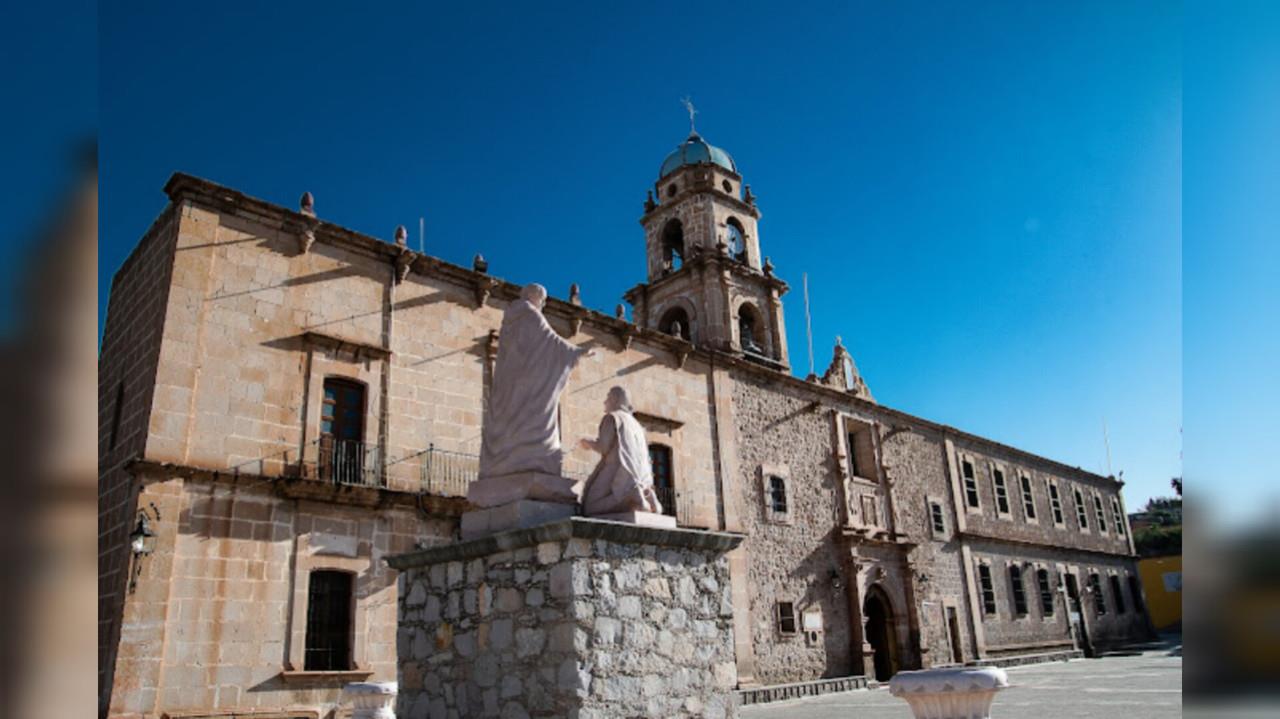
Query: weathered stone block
582	622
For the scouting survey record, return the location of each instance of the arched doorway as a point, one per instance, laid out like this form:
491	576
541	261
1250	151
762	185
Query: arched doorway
877	617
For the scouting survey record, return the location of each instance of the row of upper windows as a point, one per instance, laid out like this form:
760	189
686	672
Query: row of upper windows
1026	498
1019	606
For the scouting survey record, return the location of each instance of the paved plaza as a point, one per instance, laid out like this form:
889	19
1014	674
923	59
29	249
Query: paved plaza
1143	686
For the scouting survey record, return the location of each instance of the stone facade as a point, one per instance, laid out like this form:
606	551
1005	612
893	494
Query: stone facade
227	324
580	618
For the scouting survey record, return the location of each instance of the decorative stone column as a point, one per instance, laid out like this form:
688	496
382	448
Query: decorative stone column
582	618
371	700
949	693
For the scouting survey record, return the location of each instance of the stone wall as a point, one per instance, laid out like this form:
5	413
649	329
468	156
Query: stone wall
126	380
574	619
217	622
791	558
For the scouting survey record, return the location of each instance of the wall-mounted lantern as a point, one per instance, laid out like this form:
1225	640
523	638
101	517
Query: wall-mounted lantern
836	582
142	541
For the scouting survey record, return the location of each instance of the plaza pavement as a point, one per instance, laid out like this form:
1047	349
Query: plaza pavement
1144	686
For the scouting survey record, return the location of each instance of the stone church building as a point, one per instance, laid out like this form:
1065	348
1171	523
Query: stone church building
284	402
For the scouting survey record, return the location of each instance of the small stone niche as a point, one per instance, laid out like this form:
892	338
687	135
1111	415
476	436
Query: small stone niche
576	618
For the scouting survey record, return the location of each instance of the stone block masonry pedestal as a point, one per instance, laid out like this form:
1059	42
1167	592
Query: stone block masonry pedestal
577	618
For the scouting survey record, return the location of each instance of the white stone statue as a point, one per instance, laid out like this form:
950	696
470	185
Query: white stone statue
520	451
623	479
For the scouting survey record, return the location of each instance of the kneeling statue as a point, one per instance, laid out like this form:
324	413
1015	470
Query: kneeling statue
623	480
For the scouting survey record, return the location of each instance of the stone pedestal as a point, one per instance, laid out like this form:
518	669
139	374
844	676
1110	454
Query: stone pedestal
644	519
513	515
575	618
949	693
370	700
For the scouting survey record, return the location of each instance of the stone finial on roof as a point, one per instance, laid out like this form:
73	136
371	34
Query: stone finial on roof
768	267
649	204
402	235
748	198
479	263
620	311
575	294
307	204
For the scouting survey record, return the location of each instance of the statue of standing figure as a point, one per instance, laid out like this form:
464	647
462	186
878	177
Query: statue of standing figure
623	479
520	455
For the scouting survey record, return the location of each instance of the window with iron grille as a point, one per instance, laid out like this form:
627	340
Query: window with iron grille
988	589
1101	515
663	480
1002	491
786	618
1019	594
778	495
1028	499
937	518
1082	515
1117	595
342	450
1135	591
970	483
1099	601
329	621
1046	592
1055	503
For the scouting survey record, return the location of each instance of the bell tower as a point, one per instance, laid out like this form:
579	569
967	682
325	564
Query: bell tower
707	280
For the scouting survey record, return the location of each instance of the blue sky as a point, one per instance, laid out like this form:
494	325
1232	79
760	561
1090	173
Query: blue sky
987	197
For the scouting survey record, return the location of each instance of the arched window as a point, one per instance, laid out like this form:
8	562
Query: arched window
342	449
663	477
737	240
750	337
672	245
676	323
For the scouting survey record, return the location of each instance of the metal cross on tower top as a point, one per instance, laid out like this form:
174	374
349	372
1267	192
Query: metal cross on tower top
688	105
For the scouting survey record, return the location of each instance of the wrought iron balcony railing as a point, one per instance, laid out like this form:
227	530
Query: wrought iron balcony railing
346	462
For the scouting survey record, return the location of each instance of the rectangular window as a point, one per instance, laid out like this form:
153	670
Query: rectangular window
1055	503
862	454
342	450
970	483
1099	601
1002	491
329	621
663	481
988	590
1099	513
778	495
786	618
1117	516
1117	594
1135	591
1028	499
1019	594
1082	515
1046	592
937	519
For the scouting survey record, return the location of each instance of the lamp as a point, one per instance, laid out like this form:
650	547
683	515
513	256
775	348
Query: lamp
836	583
142	542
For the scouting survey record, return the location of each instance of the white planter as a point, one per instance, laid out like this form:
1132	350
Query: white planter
949	693
371	700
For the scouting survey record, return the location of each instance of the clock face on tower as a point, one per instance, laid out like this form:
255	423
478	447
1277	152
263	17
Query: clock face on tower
735	240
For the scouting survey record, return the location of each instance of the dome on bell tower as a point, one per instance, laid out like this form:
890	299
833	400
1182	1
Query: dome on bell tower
695	150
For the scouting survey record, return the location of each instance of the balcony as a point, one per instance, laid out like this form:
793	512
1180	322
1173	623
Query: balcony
344	462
